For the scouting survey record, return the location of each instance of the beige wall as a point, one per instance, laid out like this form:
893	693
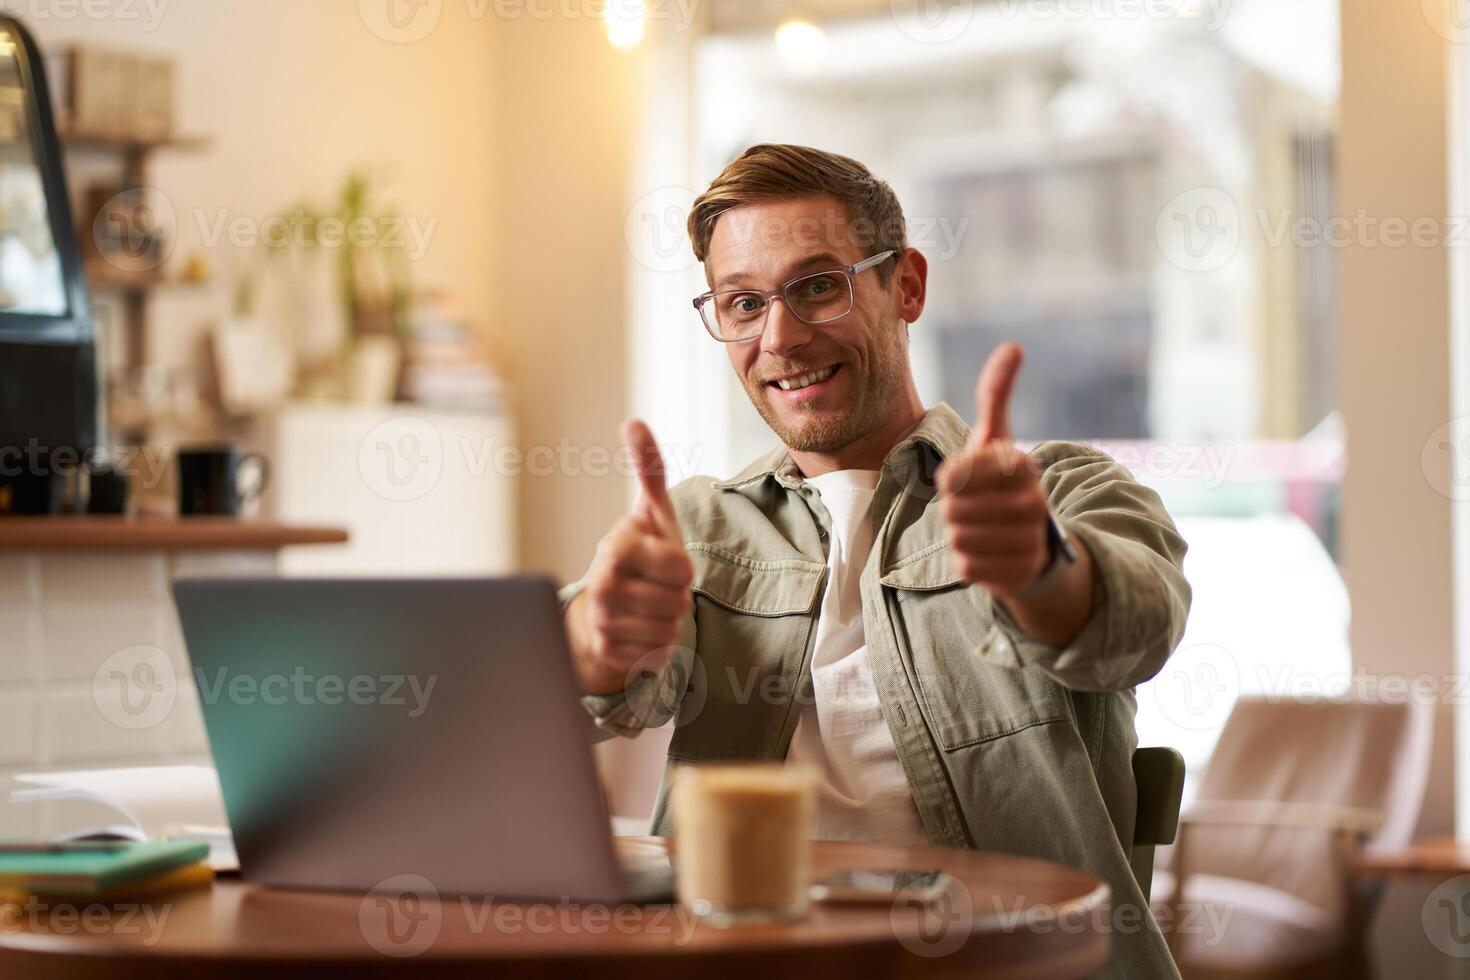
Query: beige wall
565	152
1395	391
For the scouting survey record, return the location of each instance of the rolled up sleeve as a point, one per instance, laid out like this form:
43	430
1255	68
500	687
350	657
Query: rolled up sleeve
1140	596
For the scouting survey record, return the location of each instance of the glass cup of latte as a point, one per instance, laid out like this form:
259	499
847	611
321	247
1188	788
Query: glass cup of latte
742	840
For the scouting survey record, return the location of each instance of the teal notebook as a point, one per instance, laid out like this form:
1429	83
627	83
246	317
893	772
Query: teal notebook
91	872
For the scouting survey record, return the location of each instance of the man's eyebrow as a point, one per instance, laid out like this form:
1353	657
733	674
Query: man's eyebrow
821	261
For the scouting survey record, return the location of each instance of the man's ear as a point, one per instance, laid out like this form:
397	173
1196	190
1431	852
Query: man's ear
911	277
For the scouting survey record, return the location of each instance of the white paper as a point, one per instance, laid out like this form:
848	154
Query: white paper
153	799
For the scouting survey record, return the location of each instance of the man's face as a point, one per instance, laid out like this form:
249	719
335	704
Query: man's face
818	386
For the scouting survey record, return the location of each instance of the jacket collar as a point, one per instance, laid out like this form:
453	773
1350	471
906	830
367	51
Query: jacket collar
940	433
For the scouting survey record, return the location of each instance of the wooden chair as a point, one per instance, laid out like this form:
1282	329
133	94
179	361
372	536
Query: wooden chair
1293	791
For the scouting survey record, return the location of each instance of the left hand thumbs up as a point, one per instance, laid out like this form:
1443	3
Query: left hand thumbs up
995	511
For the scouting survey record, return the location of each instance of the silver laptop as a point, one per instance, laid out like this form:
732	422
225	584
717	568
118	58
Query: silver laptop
368	729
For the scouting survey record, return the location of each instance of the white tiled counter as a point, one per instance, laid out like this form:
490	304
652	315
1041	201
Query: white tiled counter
78	597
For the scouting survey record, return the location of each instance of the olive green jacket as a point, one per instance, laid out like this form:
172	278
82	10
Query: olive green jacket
1009	744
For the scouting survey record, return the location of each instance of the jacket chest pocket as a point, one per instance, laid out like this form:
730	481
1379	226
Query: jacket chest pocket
753	622
941	619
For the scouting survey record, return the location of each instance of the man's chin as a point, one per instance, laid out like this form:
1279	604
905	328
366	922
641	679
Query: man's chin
812	431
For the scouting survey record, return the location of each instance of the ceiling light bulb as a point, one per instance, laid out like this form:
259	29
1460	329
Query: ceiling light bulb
624	22
800	41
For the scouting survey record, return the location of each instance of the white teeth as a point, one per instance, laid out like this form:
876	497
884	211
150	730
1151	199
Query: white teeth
794	384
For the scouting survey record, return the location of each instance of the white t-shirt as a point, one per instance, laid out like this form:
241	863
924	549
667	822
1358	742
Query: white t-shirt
864	795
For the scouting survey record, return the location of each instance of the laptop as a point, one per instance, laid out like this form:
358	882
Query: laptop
365	729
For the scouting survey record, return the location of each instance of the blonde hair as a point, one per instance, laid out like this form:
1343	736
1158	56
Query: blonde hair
781	171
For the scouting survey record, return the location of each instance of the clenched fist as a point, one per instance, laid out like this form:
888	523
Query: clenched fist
637	590
995	511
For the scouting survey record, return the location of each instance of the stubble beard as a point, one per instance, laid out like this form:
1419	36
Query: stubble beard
872	403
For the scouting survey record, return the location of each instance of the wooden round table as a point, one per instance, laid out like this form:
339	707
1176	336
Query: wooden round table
1007	918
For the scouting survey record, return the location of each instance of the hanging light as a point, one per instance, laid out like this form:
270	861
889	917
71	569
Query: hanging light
800	41
624	22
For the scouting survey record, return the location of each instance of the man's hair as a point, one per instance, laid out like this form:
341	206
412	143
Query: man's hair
781	172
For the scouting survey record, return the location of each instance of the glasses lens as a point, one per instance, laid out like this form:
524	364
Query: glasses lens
735	315
824	296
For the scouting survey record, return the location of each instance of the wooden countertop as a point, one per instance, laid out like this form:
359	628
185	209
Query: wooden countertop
1002	918
107	533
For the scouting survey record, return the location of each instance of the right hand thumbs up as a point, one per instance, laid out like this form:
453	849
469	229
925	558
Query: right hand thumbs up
637	591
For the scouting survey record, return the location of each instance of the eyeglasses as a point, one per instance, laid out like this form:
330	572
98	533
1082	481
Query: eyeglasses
819	297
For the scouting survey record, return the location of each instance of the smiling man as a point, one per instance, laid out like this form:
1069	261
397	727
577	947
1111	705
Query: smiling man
948	627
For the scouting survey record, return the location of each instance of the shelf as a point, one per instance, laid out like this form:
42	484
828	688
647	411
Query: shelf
128	143
112	279
108	533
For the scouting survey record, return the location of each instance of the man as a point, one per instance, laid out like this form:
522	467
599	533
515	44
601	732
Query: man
947	627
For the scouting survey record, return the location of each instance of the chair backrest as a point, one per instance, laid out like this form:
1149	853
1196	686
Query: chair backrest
1159	774
1351	753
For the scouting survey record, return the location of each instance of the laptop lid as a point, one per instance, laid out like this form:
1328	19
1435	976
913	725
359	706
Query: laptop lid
366	729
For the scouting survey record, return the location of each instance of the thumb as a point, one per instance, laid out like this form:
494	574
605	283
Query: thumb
655	508
993	395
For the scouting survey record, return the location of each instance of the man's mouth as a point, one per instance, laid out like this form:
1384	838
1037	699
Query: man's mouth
800	381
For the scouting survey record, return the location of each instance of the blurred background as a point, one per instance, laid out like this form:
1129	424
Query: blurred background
425	255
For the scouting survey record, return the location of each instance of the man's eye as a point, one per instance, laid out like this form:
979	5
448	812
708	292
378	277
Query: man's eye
815	288
745	305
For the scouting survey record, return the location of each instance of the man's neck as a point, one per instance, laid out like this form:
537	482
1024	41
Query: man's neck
866	452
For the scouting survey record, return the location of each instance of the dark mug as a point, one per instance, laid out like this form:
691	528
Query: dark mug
215	480
109	491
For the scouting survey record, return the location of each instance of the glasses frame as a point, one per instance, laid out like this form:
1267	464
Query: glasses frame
701	301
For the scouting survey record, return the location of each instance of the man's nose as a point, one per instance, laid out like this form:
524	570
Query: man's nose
785	331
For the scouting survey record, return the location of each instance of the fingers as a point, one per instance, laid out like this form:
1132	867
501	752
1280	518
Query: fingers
993	395
655	506
1001	576
1023	505
1015	541
632	551
638	597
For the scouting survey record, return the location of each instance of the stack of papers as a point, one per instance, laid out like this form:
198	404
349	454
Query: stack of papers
155	803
